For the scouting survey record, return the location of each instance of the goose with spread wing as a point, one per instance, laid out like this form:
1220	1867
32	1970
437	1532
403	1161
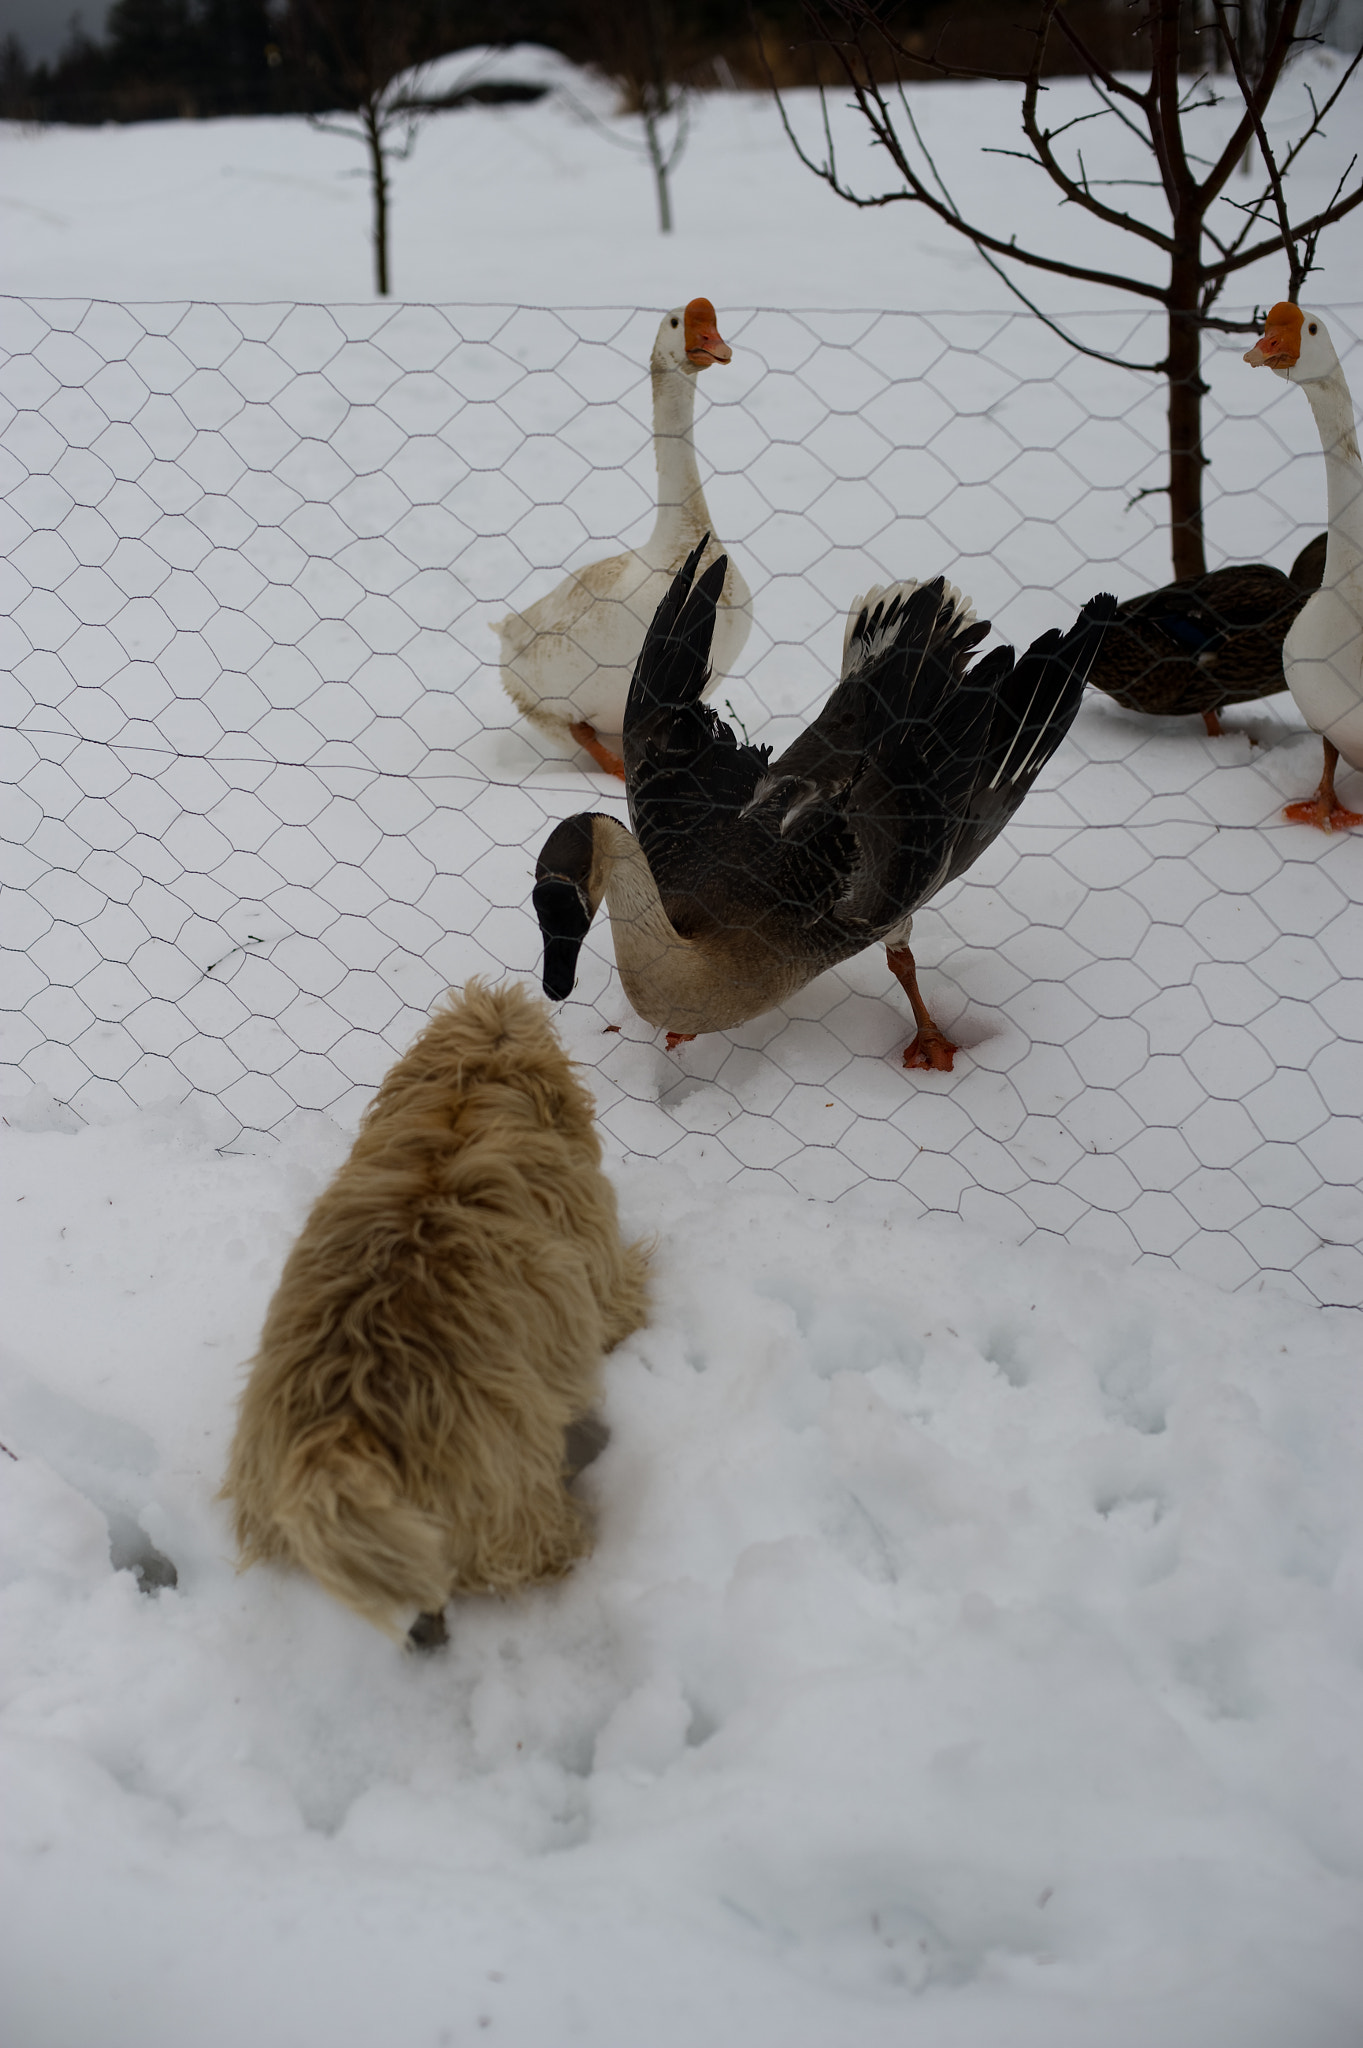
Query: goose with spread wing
567	659
743	877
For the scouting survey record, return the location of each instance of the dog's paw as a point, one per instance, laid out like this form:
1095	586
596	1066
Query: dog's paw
428	1632
583	1443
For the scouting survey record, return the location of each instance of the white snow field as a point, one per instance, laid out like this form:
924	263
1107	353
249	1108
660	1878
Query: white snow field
538	205
972	1654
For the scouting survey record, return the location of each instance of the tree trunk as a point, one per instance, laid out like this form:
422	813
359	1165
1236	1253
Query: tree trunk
1250	39
659	162
379	179
657	105
1186	392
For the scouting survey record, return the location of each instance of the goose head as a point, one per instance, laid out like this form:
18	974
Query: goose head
1296	343
689	339
567	894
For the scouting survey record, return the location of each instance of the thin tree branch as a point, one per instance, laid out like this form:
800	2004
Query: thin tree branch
1318	114
1040	140
1256	100
1111	82
1054	134
1011	284
1142	135
1229	326
871	104
1315	226
855	16
1166	133
328	127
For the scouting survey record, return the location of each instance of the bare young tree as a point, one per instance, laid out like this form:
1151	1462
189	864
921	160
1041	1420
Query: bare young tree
660	100
355	50
1206	237
635	43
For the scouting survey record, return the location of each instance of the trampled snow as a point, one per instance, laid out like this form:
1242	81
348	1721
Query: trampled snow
971	1653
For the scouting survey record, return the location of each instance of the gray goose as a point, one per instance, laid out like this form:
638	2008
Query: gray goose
744	878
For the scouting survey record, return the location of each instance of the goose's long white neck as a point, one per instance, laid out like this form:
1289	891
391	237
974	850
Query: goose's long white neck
1333	406
683	515
622	875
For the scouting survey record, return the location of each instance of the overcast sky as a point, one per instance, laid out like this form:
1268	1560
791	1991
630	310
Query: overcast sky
41	25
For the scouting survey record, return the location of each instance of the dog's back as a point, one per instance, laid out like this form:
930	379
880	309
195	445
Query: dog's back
438	1326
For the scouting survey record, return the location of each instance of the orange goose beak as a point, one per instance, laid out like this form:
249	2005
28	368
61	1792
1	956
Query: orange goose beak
1280	345
704	342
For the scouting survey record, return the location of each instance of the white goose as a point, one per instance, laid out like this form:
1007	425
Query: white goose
1323	652
568	659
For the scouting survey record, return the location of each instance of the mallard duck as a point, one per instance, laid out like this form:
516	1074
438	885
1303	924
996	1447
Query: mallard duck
743	878
567	660
1211	641
1323	652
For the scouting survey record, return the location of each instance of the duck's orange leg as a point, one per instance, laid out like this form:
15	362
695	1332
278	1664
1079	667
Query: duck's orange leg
1324	809
1215	729
931	1048
676	1038
585	735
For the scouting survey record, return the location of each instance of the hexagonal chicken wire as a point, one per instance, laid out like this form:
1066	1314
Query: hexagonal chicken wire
265	799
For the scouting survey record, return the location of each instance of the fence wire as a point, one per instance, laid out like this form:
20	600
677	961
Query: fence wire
265	799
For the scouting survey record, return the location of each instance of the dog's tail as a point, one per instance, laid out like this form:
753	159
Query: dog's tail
342	1514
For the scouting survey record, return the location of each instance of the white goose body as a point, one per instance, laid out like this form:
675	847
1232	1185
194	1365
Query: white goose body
568	658
1323	651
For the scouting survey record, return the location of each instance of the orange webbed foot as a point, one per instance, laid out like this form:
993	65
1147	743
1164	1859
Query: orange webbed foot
1326	818
676	1038
585	735
1324	810
931	1050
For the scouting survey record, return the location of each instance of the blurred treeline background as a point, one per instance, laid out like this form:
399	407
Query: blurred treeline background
187	59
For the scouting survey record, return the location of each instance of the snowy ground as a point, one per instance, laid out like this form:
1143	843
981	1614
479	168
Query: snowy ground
535	205
971	1654
972	1649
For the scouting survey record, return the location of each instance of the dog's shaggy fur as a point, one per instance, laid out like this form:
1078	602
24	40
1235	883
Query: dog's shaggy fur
439	1326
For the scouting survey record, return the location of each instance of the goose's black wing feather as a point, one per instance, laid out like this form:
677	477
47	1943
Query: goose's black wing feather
1034	707
911	768
948	776
686	774
674	660
922	642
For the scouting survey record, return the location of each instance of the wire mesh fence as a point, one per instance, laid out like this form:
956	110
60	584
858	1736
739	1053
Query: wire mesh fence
265	798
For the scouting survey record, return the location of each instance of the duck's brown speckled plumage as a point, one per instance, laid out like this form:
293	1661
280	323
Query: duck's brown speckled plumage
1211	641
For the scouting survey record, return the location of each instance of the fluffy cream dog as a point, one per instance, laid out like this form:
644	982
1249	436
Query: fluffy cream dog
439	1326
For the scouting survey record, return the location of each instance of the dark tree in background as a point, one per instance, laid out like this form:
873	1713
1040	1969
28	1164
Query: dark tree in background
177	59
181	59
160	60
363	57
355	49
1201	236
636	43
